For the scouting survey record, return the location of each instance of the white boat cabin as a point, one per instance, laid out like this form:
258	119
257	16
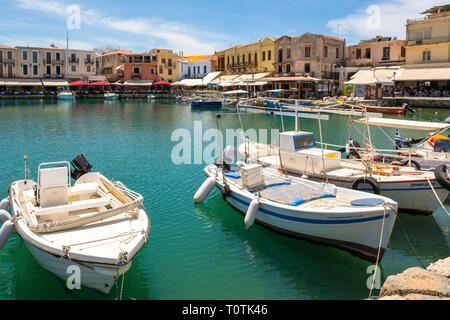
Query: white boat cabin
298	151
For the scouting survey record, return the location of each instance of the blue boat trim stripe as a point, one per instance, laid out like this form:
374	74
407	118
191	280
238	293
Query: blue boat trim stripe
312	221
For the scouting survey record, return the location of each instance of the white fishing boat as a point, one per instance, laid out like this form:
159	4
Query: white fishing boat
111	96
96	225
318	212
151	97
65	95
426	151
415	191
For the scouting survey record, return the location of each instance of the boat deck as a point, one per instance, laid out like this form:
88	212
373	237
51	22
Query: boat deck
292	193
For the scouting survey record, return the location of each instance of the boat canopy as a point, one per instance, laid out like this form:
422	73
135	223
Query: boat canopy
235	92
404	124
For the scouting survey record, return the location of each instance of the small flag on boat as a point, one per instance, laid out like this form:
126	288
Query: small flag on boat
398	140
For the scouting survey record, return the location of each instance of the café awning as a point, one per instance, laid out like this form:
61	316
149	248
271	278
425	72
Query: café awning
55	83
100	84
289	79
371	77
21	83
138	83
162	83
78	83
423	74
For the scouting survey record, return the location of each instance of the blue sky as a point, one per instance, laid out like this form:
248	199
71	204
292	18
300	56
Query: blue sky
199	27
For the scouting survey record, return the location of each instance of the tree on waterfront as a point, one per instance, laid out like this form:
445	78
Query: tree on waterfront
105	49
435	9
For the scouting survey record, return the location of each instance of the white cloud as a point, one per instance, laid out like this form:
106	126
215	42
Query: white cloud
387	18
173	35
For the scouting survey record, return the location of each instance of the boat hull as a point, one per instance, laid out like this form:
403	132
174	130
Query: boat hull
360	237
414	197
386	110
353	229
206	104
65	97
100	277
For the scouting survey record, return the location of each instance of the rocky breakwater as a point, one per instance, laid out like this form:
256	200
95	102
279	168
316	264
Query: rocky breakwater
419	284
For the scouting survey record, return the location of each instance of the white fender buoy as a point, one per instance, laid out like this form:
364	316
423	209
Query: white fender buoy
5	231
4	216
347	148
204	190
250	216
4	204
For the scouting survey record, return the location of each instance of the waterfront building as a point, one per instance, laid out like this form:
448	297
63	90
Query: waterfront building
80	65
309	62
7	61
376	52
195	67
248	58
427	53
139	68
40	62
53	63
167	64
314	55
110	66
428	39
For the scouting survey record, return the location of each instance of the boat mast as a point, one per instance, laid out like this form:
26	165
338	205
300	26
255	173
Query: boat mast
67	54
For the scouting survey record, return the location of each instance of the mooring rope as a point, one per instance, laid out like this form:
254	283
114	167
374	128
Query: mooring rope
385	205
410	243
435	194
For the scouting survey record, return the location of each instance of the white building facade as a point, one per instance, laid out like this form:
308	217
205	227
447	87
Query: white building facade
195	69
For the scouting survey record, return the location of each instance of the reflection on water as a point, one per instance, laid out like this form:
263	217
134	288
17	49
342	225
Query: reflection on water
194	251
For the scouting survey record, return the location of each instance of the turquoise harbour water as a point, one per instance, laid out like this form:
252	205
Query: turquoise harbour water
194	251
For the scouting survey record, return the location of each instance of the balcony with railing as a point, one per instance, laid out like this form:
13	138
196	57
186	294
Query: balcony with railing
53	61
427	41
89	61
74	60
7	60
330	75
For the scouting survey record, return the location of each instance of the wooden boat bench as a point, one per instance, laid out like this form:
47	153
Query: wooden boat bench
74	206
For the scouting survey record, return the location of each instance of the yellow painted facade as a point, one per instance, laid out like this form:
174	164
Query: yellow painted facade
249	58
428	39
167	64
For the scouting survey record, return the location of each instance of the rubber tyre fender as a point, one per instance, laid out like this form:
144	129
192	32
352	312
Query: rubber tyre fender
441	176
226	192
371	181
413	162
410	109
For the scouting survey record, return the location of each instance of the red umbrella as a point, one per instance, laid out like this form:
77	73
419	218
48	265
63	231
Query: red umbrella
79	83
100	83
162	83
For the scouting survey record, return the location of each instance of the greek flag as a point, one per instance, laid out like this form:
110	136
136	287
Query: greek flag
398	139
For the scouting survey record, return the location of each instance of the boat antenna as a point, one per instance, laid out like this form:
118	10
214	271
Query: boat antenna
67	54
25	166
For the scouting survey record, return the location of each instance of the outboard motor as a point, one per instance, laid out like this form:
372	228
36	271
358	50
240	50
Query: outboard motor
354	148
229	155
81	165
